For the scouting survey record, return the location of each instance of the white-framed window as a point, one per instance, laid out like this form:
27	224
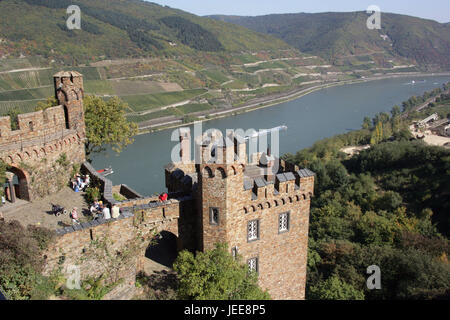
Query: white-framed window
252	264
283	222
253	230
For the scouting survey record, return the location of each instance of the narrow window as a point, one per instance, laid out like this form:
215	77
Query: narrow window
234	252
283	222
214	216
253	265
30	125
253	230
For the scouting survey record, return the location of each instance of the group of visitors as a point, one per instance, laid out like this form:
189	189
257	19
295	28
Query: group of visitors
80	183
98	210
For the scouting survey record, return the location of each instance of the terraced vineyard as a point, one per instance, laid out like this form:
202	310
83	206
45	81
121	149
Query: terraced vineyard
145	102
157	88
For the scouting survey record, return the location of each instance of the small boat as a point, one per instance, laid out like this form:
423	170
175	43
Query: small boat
106	172
265	132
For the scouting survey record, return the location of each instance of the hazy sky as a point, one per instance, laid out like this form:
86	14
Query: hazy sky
432	9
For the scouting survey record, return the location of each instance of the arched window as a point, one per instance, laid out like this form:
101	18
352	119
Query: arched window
208	172
222	172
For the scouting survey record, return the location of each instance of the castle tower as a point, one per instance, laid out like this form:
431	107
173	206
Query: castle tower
220	174
69	92
260	209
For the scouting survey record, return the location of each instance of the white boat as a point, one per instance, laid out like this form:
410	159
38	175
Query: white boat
266	131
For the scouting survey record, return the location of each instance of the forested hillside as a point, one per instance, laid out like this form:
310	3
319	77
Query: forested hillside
336	36
387	206
114	28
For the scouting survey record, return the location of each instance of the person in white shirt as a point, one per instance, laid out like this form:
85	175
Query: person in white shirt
75	218
106	213
115	212
87	180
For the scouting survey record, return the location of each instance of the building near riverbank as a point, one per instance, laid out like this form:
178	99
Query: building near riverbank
258	204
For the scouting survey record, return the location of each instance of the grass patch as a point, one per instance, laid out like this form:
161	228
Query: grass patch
99	87
246	58
26	94
20	106
150	116
236	84
190	108
216	75
150	101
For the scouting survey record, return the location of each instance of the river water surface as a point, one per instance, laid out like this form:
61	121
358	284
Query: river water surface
310	118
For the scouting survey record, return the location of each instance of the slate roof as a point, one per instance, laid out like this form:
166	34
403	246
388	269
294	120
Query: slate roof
305	173
248	184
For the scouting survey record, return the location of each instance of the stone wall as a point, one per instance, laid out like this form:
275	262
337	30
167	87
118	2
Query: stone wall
42	151
282	257
129	236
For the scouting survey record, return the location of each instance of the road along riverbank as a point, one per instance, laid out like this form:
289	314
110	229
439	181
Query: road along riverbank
271	100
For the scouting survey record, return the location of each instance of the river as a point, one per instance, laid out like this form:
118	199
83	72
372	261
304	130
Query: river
310	118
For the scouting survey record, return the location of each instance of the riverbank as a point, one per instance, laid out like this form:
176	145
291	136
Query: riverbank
276	99
313	117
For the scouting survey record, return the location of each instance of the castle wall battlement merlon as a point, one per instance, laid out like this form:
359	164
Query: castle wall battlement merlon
33	124
282	184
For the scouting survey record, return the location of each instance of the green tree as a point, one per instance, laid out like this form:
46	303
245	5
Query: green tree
215	275
13	117
21	261
395	111
367	123
3	168
334	289
50	102
106	124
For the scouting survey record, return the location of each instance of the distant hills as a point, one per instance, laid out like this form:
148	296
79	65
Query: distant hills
170	65
118	29
336	36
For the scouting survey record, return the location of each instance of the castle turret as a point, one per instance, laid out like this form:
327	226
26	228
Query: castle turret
69	92
220	176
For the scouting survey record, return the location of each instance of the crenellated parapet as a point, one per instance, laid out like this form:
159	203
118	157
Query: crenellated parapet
46	142
286	188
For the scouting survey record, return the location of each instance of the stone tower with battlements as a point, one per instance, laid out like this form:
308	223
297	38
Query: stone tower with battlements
262	214
69	92
45	143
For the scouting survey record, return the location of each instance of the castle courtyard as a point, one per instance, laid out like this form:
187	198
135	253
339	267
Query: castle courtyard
38	212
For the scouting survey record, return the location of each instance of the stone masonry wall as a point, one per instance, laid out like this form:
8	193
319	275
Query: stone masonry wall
47	143
131	233
282	257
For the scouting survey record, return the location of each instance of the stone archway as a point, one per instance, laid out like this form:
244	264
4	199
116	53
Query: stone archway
17	185
164	251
